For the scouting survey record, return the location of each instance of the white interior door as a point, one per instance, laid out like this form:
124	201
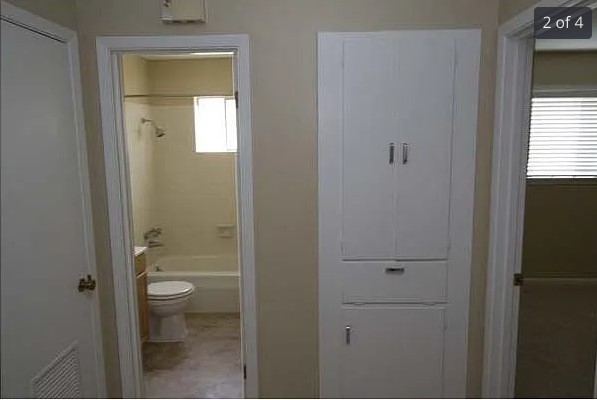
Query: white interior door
49	342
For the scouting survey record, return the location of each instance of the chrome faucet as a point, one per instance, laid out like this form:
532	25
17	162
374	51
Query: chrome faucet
152	237
154	243
153	233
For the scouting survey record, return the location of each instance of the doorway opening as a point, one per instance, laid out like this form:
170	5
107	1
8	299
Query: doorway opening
532	173
176	118
556	351
180	126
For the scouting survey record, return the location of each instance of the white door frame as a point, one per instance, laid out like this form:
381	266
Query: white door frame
119	204
510	142
64	35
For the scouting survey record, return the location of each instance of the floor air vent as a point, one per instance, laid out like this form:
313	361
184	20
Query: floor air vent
61	379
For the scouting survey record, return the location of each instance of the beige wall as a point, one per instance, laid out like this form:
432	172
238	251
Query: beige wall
185	193
135	75
206	77
510	8
141	144
569	68
62	12
284	76
284	84
560	229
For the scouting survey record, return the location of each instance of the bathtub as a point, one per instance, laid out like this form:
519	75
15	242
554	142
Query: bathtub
215	277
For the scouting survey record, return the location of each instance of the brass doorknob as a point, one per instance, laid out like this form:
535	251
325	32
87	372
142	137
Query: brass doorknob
87	283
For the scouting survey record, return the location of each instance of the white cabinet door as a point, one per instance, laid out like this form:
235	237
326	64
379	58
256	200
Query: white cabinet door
424	103
393	352
369	126
400	93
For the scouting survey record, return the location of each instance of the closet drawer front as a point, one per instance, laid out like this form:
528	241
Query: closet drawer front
387	282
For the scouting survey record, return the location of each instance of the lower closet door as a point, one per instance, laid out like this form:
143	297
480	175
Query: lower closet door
393	351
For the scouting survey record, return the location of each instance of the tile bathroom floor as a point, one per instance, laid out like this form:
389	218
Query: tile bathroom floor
207	365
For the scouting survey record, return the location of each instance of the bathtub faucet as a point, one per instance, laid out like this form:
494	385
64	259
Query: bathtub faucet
152	237
154	243
153	233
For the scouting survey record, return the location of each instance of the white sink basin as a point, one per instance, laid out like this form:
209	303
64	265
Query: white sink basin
140	250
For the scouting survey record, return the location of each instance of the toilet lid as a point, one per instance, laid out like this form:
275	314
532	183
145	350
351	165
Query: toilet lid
169	289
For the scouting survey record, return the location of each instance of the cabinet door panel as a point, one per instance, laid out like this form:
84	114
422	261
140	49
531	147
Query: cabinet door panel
368	202
426	96
394	352
143	306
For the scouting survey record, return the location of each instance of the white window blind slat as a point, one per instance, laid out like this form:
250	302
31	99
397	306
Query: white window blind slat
563	138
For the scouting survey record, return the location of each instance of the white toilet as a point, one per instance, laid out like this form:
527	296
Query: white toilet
167	301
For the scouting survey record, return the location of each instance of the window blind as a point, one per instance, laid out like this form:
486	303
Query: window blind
563	138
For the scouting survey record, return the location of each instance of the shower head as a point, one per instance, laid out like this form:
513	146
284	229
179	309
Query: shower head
159	132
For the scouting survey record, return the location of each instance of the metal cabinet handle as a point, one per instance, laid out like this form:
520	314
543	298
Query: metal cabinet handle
392	147
347	330
405	150
395	270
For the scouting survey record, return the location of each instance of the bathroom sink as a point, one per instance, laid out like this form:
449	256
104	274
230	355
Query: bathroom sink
140	250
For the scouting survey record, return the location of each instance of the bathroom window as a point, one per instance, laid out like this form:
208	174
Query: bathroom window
563	139
215	124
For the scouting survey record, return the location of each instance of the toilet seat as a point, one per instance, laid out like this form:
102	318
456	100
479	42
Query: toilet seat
169	290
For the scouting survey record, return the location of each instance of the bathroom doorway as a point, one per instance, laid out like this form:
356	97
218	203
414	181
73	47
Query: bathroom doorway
182	136
180	125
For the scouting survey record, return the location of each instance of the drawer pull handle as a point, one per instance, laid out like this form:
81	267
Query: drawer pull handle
392	146
347	333
395	270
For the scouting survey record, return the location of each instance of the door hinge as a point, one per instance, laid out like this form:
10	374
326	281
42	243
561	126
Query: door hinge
518	279
87	283
245	371
236	98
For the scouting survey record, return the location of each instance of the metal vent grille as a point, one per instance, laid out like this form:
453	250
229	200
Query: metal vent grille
61	379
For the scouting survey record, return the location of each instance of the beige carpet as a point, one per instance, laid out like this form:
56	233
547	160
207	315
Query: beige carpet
206	365
557	342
